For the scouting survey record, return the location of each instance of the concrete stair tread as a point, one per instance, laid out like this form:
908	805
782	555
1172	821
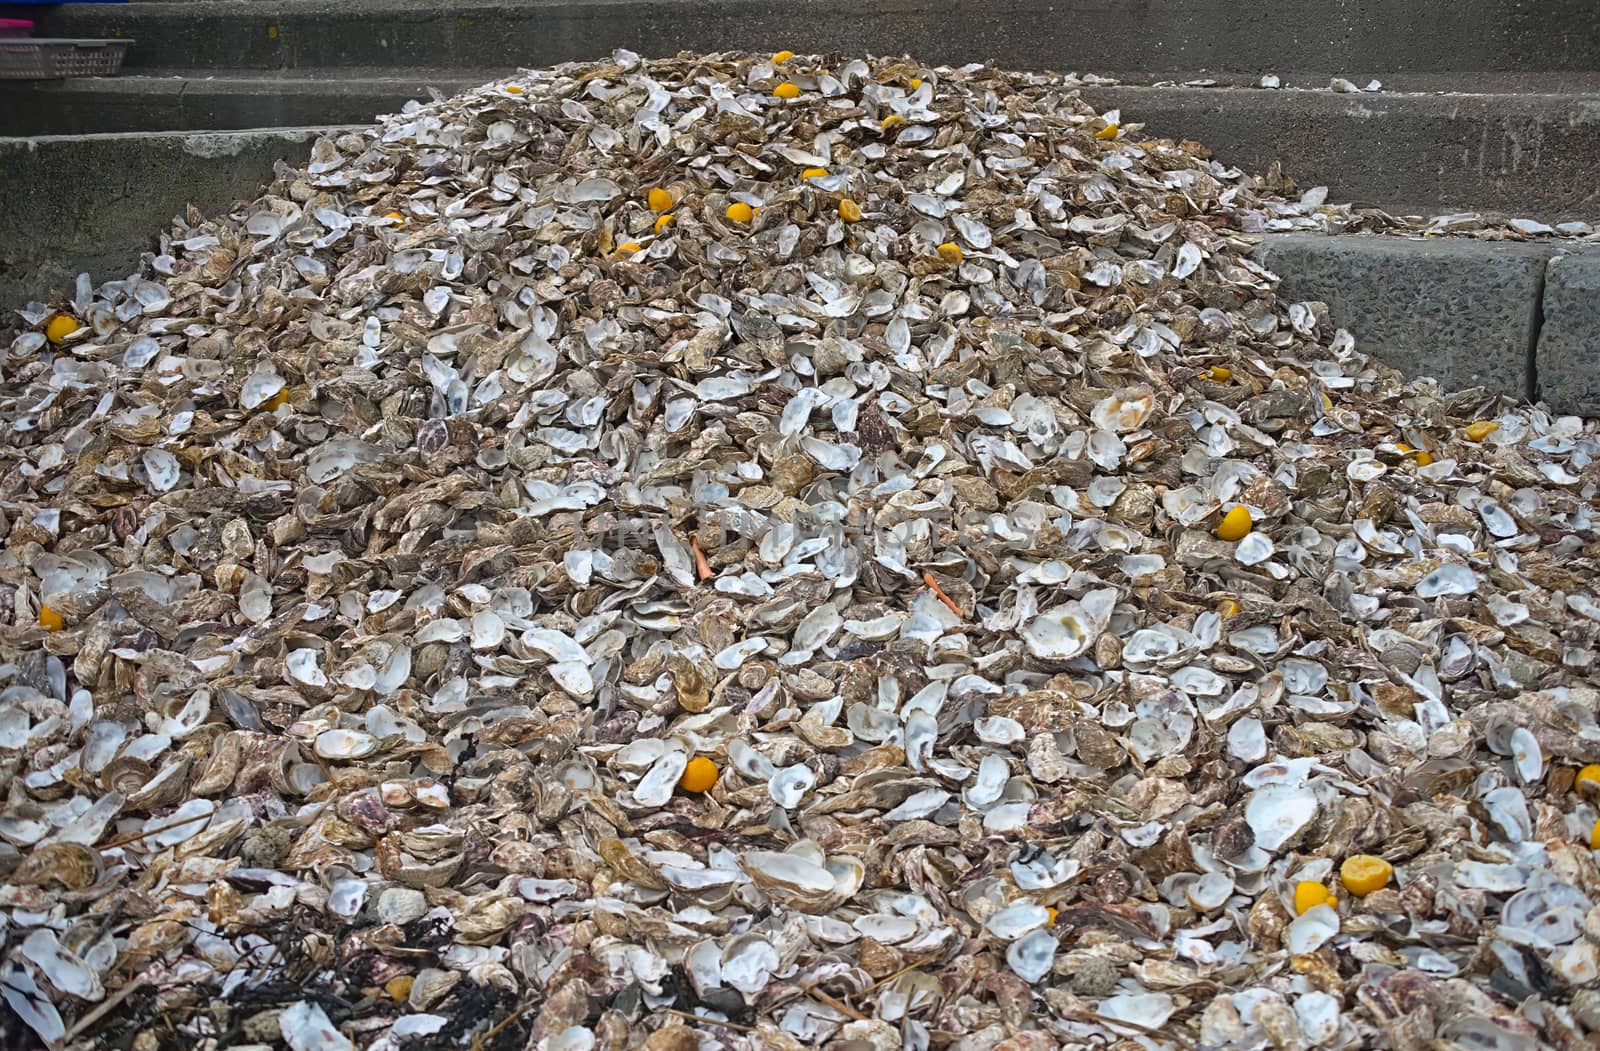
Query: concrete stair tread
1411	153
294	80
1576	83
1582	89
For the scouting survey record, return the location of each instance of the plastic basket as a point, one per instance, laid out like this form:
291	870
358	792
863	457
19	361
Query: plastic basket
15	28
38	59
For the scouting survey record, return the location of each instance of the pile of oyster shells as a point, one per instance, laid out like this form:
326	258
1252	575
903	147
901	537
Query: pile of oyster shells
384	563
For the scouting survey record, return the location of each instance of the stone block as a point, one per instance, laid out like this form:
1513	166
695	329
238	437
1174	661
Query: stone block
1464	312
1568	360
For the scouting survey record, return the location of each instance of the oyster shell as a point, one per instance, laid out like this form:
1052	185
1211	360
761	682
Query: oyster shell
723	551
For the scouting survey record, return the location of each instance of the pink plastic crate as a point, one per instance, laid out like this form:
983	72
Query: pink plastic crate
13	28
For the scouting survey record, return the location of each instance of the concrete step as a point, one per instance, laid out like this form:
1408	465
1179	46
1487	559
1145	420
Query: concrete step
1518	319
71	204
1507	154
171	100
1123	38
1410	152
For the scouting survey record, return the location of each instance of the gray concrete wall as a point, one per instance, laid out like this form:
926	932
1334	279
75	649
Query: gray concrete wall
94	203
1114	37
1519	154
1467	310
1521	320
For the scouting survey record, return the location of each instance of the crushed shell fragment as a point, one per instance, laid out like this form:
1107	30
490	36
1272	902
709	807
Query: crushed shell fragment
524	594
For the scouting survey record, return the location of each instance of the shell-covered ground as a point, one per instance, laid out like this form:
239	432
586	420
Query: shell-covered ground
770	552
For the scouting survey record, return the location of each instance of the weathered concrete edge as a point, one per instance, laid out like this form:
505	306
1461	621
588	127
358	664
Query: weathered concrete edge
1567	358
94	203
1521	319
54	226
